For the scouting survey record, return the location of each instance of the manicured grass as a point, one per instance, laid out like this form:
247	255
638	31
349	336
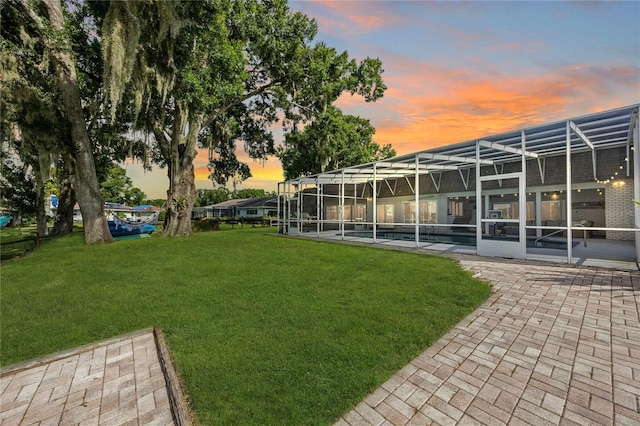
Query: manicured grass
264	329
15	242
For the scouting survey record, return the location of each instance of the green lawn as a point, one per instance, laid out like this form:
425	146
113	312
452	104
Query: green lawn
264	329
15	242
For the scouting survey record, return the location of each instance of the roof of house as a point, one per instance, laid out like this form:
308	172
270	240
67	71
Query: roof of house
248	203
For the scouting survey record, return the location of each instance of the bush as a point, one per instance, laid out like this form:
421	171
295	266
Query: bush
206	224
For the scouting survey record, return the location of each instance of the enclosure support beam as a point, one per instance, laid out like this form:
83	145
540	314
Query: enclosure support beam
413	191
635	140
504	148
454	158
318	207
569	209
436	184
300	206
417	201
522	198
479	212
374	213
542	164
626	160
279	211
465	179
586	140
393	192
342	207
495	167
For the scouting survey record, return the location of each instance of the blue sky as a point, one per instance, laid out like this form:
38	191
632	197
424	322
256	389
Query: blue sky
462	70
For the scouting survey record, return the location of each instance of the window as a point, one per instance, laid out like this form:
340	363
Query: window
347	213
385	213
428	212
552	210
409	212
456	208
253	212
331	213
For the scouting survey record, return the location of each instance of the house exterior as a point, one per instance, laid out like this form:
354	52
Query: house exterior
569	182
240	208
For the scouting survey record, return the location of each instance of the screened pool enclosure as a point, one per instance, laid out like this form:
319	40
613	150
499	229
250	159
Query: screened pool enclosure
559	191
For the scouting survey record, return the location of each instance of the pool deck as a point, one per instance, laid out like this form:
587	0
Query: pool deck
553	345
597	253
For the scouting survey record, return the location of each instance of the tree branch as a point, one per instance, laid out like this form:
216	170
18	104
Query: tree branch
212	117
30	13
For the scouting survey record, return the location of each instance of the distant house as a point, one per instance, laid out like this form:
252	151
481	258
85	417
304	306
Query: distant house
246	207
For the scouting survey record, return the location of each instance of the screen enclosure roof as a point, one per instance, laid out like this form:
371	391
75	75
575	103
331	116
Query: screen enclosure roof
608	129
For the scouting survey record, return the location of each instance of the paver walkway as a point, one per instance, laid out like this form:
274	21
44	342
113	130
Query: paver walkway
552	345
119	381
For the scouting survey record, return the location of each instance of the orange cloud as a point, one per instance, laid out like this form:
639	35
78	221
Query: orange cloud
265	174
351	18
431	106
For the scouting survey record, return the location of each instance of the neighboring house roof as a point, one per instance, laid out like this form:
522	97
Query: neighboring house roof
247	203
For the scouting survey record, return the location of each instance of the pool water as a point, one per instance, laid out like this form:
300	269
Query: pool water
462	239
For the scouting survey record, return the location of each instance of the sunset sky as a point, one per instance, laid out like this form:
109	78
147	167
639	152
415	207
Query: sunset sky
457	71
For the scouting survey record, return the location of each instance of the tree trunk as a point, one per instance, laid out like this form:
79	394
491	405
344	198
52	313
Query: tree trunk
64	215
182	186
180	197
86	184
41	215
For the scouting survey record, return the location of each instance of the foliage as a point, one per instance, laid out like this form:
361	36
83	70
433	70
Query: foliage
117	187
207	197
332	141
51	51
263	330
207	224
156	202
218	73
17	187
33	129
252	193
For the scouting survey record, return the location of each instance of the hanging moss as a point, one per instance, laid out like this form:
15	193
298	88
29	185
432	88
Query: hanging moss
124	57
121	34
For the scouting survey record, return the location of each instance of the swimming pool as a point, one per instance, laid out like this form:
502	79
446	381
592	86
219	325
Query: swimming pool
461	239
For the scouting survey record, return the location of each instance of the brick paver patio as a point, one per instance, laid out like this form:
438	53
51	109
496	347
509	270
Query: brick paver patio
553	345
115	382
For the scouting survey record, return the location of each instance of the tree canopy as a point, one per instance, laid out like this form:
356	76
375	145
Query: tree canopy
117	187
331	141
212	74
217	73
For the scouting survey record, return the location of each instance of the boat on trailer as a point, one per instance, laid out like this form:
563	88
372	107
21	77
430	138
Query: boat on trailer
4	221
